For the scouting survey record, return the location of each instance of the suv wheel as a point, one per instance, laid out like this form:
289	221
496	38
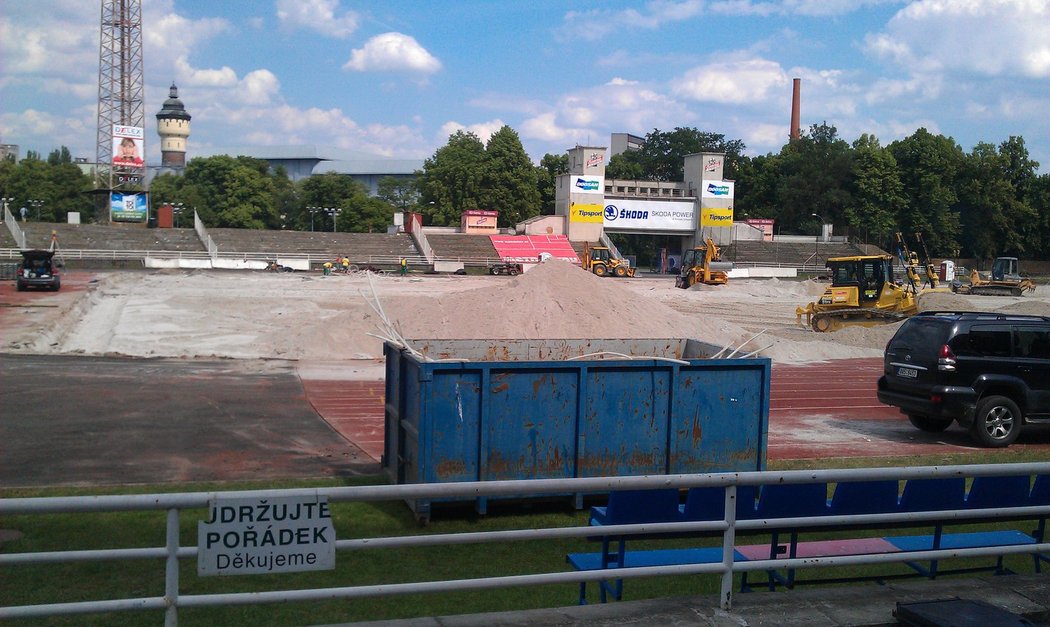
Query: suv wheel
997	422
930	425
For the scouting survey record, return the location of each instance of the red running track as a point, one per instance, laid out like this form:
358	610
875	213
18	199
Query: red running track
816	410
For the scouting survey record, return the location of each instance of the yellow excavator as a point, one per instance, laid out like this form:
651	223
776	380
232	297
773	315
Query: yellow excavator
701	265
1005	280
601	261
862	293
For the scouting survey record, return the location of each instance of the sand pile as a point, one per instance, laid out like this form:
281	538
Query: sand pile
554	300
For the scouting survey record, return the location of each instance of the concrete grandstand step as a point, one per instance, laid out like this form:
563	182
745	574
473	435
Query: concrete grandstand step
359	247
117	237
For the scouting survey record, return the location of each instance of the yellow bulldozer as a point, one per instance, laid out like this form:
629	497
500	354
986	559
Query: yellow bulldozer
1005	280
601	261
702	265
862	293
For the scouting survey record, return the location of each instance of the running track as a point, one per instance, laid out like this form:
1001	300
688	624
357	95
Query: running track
816	410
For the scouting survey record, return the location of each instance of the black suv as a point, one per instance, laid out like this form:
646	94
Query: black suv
989	372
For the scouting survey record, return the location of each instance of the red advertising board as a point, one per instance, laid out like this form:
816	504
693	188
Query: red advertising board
527	248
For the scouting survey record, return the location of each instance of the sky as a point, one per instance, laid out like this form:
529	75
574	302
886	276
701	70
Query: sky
396	77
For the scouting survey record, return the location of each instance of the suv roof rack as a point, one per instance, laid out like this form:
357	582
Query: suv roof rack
984	315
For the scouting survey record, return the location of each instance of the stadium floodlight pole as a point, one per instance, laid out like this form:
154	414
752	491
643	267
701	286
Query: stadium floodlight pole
312	211
332	211
816	248
177	208
6	200
36	204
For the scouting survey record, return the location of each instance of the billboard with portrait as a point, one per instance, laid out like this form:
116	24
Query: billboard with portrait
128	145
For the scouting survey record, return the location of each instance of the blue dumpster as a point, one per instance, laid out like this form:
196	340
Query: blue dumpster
484	410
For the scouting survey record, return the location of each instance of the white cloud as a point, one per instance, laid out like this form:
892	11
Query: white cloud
392	52
813	8
484	130
594	24
744	81
322	16
987	37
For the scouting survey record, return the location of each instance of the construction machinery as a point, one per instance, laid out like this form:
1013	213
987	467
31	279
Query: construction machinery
702	264
1005	280
862	293
601	261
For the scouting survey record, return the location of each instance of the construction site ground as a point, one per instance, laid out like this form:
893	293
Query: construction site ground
151	377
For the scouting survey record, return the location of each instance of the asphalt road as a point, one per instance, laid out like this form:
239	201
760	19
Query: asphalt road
67	421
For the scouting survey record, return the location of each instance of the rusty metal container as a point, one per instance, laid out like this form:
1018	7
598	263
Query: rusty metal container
544	409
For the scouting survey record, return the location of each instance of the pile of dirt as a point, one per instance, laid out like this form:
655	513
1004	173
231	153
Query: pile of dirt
554	300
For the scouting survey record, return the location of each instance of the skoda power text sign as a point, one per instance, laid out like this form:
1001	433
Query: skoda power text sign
650	215
246	536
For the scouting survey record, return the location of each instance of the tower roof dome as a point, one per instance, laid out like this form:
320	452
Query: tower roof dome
173	107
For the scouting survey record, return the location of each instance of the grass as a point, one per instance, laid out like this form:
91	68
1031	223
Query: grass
33	584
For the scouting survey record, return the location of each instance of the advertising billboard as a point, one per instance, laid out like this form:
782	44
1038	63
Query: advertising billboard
716	217
127	146
127	207
584	212
479	221
650	215
583	184
717	189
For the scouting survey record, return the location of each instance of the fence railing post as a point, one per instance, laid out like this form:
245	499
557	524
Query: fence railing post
728	548
171	570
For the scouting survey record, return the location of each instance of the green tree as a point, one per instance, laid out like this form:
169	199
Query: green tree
626	166
509	183
398	192
662	156
547	173
997	217
815	178
326	190
877	195
451	180
362	213
929	166
231	192
756	186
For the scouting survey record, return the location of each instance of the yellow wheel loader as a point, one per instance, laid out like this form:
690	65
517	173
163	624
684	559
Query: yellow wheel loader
702	264
600	261
862	293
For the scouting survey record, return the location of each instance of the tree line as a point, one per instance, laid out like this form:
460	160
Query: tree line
983	203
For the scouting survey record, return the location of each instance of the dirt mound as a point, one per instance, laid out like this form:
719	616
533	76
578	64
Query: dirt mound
554	300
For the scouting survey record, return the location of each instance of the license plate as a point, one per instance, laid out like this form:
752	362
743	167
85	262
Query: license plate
909	373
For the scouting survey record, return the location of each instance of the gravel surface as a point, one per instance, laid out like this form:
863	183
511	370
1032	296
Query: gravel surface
309	317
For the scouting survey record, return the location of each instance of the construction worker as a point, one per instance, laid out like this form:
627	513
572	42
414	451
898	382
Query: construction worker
346	265
404	266
328	268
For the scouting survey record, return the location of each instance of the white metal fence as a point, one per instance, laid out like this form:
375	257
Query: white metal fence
172	504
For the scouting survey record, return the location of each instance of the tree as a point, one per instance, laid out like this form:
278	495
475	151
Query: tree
998	218
231	192
662	156
450	182
398	192
365	214
326	190
815	178
547	173
626	166
509	184
877	193
929	168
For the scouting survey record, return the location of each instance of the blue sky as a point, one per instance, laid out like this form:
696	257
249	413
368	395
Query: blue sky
395	77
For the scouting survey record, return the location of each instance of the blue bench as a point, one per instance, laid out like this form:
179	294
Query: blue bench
810	500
